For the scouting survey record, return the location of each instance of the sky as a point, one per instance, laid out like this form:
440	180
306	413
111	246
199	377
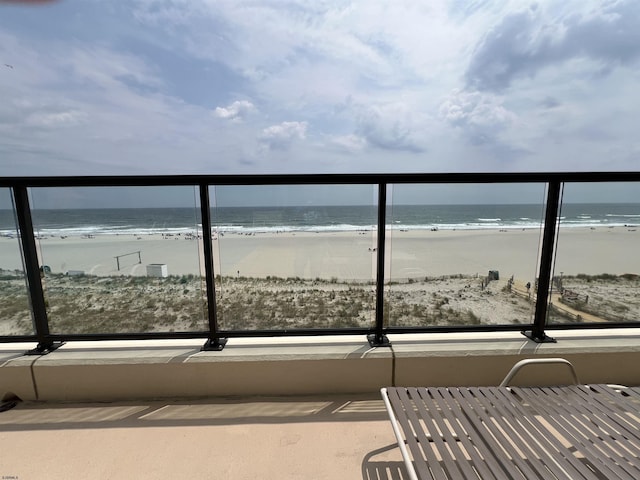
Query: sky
94	87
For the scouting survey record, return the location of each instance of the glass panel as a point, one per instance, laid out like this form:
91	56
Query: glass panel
290	257
462	254
121	260
597	267
15	309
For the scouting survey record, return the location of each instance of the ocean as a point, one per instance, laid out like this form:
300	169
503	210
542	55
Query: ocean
140	221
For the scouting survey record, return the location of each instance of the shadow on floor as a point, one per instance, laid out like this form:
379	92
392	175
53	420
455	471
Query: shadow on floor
27	416
383	470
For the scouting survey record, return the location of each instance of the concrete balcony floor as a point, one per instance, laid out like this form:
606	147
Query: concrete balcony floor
319	437
290	408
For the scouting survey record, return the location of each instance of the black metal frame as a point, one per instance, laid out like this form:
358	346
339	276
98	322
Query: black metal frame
214	342
377	335
378	338
546	265
32	271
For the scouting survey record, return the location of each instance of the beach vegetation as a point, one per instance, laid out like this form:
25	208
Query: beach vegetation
15	315
629	276
604	297
472	318
591	278
123	304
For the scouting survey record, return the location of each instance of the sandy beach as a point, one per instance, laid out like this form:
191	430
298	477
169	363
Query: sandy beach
343	255
316	280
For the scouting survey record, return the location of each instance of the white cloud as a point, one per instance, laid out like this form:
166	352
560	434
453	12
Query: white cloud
393	126
315	51
388	85
115	118
55	119
480	115
348	143
235	112
282	136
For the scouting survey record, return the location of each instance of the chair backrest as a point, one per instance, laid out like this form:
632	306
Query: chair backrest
538	361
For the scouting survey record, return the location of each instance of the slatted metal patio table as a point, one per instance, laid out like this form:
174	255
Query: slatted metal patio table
566	432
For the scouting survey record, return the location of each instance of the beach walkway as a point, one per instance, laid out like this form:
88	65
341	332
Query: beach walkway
520	289
578	314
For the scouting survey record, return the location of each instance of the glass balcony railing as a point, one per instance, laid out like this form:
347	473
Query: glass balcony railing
597	268
462	254
231	256
109	269
287	259
15	311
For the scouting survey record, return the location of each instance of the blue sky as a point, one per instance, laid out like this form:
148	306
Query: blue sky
215	87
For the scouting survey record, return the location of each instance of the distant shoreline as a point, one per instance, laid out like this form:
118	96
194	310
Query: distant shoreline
322	219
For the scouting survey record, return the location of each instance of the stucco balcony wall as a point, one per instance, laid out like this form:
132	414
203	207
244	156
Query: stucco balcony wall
112	371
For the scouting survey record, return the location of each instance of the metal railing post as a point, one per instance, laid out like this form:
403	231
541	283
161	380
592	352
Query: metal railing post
214	342
379	339
537	332
33	273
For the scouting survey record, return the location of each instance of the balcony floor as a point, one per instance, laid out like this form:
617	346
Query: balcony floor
241	438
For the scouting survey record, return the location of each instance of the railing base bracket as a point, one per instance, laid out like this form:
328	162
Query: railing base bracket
376	341
214	345
538	338
43	349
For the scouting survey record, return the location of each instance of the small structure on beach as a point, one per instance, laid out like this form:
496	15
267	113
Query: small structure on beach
118	257
158	270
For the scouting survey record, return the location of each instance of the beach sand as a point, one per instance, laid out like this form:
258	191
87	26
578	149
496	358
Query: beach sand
344	255
433	277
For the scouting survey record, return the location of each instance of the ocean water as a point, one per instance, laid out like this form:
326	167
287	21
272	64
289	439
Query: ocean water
140	221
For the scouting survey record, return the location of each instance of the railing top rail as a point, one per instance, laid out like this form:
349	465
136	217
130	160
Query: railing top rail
309	179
